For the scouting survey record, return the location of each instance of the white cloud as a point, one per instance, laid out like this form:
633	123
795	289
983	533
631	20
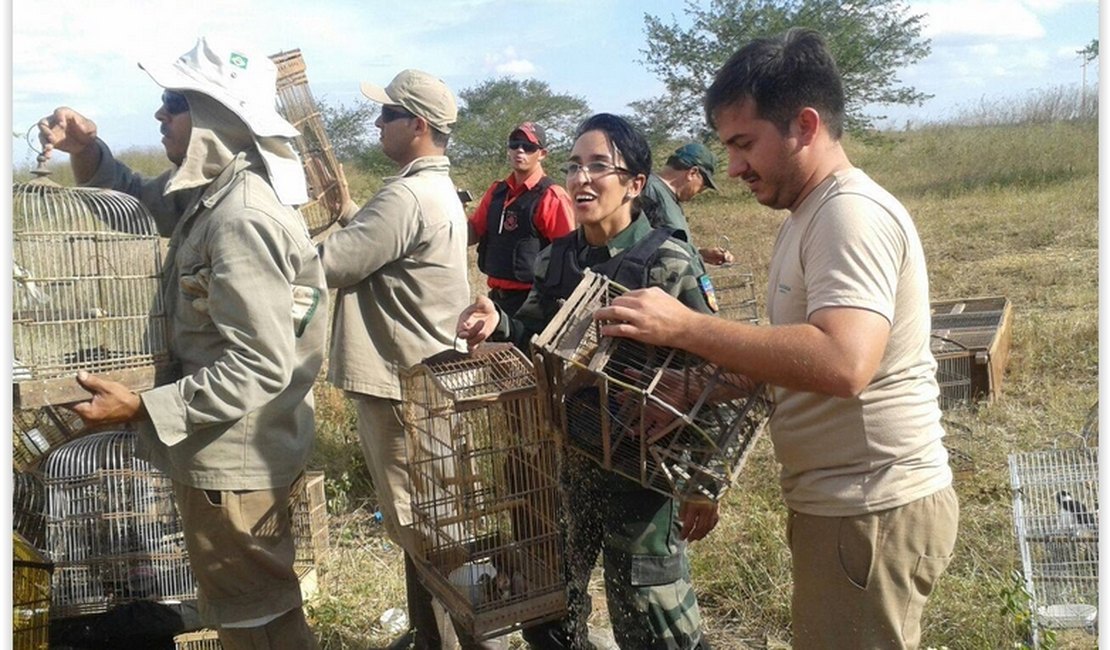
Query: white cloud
960	19
1051	6
508	62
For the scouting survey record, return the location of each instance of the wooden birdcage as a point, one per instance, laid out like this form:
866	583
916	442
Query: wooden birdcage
971	344
734	290
199	640
30	596
1055	501
36	432
485	499
667	419
85	291
112	528
321	168
309	518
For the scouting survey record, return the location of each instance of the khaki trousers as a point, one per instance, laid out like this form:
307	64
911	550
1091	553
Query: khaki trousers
240	545
861	582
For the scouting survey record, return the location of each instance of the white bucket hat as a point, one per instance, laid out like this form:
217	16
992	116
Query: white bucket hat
243	81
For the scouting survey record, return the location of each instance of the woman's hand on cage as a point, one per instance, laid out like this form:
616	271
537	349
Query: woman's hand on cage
477	322
111	402
699	517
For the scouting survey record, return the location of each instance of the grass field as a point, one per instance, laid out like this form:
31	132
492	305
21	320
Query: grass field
1002	210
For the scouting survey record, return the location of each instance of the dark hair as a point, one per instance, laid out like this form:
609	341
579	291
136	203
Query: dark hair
783	74
439	138
624	138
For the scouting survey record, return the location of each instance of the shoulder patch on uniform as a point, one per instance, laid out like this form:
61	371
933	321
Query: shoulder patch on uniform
706	286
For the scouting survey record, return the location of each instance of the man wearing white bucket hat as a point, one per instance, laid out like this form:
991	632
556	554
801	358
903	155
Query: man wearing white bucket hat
399	264
244	292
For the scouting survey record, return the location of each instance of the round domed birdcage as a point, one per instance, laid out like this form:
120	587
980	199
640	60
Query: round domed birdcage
112	528
85	291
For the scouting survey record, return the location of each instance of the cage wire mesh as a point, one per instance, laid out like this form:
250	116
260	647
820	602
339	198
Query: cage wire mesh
734	290
37	431
112	527
297	105
485	498
85	291
1055	505
29	508
970	342
30	596
309	518
669	420
206	639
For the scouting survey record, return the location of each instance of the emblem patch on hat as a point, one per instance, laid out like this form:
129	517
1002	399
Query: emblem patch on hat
706	286
238	60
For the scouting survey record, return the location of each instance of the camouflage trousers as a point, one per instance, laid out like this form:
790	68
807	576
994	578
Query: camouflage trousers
651	601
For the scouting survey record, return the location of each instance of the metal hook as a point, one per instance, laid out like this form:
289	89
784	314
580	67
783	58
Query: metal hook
41	170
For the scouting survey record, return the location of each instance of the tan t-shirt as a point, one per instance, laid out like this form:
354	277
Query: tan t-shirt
852	244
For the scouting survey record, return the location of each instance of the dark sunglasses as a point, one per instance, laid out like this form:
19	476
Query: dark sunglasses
528	147
174	103
390	113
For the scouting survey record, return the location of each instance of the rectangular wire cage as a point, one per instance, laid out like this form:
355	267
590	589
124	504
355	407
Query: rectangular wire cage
971	344
485	499
85	291
297	105
669	420
309	518
112	528
30	596
1056	520
734	291
35	432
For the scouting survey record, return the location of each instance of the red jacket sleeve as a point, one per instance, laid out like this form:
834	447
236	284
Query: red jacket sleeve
554	216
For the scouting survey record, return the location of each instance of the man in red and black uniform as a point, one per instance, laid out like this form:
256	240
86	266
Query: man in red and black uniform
517	217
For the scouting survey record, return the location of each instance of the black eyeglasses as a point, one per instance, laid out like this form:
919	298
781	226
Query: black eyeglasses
593	169
391	113
528	147
174	103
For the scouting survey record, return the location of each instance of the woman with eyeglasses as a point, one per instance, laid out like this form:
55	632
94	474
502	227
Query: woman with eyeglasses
641	533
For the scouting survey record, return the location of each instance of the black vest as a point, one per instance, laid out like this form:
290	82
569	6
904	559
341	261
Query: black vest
509	248
629	268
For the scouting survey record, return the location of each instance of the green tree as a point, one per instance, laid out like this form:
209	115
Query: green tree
1089	53
349	128
493	107
871	40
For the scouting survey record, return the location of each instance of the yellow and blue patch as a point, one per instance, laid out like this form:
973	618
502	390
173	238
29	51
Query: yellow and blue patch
706	286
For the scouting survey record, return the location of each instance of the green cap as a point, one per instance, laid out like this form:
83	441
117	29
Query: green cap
697	155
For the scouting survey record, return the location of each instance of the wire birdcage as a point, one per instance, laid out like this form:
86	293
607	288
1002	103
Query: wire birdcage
485	498
953	372
734	290
29	508
199	640
36	432
297	105
309	518
971	344
112	527
1056	519
30	596
86	291
669	420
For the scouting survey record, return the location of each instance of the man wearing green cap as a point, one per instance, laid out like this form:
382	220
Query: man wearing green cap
688	172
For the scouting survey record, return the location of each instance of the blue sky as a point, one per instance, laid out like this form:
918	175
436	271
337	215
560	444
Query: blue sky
82	53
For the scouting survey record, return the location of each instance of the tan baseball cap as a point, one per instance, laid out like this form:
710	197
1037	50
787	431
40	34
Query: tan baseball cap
420	94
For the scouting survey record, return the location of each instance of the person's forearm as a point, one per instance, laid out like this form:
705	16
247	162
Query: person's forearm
85	163
798	357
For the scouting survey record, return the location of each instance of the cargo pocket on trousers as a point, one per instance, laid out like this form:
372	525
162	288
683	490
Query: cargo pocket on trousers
652	570
925	576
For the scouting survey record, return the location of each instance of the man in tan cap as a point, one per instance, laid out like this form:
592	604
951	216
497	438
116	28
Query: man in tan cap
399	265
244	291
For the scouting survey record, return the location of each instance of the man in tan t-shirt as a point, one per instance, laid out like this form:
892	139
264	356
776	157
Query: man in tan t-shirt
873	515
